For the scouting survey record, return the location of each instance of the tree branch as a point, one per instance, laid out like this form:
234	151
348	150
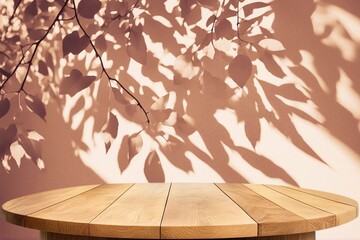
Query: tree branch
29	63
103	66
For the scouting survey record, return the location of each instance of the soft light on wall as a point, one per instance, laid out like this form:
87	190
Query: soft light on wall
261	92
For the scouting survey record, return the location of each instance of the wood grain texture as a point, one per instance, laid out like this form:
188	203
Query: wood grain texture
330	196
300	236
196	211
74	215
317	218
136	214
14	211
344	213
271	218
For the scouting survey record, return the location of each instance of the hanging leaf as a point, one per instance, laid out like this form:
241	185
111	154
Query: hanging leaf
110	130
135	144
36	106
30	11
43	68
289	91
272	45
136	49
184	127
210	20
36	34
153	169
253	130
31	146
7	138
240	69
223	29
88	8
100	43
75	83
4	107
72	43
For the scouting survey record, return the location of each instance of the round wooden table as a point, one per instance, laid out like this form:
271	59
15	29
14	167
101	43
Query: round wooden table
180	211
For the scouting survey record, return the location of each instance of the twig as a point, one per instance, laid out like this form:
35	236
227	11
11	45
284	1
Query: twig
103	66
238	26
214	22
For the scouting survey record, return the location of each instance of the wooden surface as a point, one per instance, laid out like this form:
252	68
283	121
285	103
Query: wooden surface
180	211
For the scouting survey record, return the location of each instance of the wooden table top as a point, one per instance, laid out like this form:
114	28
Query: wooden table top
180	210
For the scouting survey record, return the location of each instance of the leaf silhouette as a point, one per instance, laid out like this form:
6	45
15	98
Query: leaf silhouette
36	34
136	48
135	143
75	83
253	130
224	29
31	146
240	69
36	106
73	43
110	130
4	107
43	68
30	11
272	45
88	8
153	169
100	43
290	91
7	138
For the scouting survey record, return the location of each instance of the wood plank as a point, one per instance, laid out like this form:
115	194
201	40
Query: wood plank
330	196
202	210
271	218
300	236
74	215
344	213
319	219
136	214
15	210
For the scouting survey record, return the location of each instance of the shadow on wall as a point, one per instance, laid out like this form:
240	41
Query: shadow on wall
183	74
163	63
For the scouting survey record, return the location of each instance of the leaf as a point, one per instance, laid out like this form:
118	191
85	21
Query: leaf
72	43
136	48
75	83
210	20
253	130
31	11
289	91
31	146
4	107
183	126
36	106
36	34
240	69
43	68
100	43
7	138
224	29
271	45
153	169
135	143
88	8
110	130
160	104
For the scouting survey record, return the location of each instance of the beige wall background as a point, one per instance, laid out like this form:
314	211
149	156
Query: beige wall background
296	123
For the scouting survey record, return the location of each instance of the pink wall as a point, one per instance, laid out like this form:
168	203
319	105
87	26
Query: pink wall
296	121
